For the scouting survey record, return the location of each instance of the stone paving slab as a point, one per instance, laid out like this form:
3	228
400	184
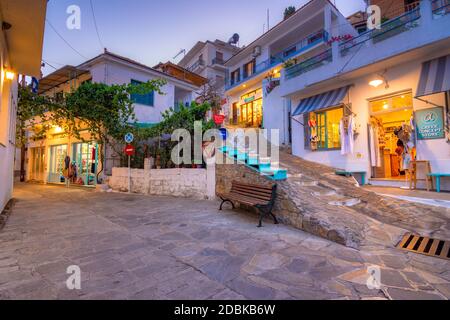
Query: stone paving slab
140	247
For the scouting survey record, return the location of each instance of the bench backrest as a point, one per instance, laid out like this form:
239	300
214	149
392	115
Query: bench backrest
260	192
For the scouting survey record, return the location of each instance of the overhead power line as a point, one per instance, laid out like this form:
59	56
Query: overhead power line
96	27
66	42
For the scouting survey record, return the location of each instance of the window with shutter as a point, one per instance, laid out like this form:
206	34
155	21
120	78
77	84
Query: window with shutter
145	99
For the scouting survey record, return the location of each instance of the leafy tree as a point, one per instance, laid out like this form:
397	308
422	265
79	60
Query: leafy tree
104	111
184	118
289	11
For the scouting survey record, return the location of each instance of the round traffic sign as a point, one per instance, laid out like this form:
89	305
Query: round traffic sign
129	138
129	150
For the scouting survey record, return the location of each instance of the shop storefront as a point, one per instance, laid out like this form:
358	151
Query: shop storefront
248	112
59	161
395	133
84	164
392	141
57	164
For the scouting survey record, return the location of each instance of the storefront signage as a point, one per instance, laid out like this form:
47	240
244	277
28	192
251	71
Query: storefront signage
249	99
430	123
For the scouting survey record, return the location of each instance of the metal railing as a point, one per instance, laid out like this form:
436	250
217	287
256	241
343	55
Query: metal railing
440	7
388	29
198	63
309	64
218	61
301	46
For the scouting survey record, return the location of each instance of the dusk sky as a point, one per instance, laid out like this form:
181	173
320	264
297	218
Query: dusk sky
151	31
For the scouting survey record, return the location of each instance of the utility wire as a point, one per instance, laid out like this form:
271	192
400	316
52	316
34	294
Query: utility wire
96	27
48	64
62	38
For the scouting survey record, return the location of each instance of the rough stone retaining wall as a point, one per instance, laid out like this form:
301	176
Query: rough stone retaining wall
189	183
285	209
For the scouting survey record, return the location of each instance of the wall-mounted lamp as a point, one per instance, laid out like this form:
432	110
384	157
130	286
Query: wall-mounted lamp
378	80
9	75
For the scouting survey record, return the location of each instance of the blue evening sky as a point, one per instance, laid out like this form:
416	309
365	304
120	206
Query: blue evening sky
152	31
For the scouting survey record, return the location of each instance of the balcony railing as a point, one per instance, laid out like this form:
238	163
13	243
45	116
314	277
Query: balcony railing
309	64
218	61
198	63
302	46
388	29
440	7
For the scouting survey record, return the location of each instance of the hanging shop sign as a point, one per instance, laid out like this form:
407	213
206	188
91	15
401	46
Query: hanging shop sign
219	119
430	123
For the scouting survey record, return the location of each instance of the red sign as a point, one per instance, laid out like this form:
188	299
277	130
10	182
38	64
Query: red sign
219	118
129	150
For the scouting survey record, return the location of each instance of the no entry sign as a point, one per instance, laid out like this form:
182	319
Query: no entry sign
129	150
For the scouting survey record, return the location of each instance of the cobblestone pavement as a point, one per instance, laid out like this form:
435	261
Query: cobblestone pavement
140	247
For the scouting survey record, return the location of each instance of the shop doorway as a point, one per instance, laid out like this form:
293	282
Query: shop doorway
37	168
84	164
56	164
235	113
391	136
251	109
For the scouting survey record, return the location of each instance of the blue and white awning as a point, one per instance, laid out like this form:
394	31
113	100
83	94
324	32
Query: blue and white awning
322	101
434	77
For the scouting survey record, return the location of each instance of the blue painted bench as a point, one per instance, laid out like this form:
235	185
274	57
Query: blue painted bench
438	177
352	173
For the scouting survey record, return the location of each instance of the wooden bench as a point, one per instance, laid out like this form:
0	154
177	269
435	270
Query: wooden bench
261	197
438	177
352	173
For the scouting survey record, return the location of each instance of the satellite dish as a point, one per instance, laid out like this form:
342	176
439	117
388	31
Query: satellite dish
234	39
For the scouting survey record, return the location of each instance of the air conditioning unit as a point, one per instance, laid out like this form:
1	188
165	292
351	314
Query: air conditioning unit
256	51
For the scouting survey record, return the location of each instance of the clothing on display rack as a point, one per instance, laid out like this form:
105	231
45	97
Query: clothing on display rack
346	131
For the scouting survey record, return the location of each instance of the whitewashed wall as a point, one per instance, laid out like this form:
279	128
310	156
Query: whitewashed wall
188	183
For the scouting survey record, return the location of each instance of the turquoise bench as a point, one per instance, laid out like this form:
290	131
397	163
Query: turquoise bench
438	177
352	173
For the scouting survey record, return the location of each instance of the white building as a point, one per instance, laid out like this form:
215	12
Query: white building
254	99
46	156
20	53
208	60
392	78
313	70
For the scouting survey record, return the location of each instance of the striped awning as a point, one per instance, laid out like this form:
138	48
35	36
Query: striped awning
322	101
434	77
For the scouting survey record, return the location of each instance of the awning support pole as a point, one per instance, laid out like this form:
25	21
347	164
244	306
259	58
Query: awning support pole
428	102
302	124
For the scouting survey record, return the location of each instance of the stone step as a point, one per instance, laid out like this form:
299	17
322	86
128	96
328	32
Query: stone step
346	202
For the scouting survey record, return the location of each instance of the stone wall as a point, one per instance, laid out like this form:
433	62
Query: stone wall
285	209
189	183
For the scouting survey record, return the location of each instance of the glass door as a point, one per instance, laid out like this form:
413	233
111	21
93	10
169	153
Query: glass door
37	164
84	164
56	164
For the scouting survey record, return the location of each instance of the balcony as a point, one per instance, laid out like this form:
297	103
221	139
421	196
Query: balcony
309	64
198	64
440	8
301	47
218	61
390	28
